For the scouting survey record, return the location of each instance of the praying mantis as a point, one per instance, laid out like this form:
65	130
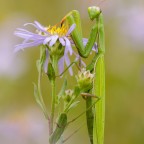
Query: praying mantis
95	116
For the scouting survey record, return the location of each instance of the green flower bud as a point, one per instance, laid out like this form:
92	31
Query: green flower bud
68	95
84	78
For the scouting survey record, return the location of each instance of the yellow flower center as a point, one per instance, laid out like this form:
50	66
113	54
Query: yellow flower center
61	31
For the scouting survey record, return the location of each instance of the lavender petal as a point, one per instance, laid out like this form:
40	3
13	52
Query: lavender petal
68	46
85	40
67	61
27	45
71	29
94	48
61	40
53	40
77	58
61	65
31	35
46	40
37	26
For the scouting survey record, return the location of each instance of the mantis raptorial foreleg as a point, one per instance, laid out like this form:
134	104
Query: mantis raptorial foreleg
95	123
74	18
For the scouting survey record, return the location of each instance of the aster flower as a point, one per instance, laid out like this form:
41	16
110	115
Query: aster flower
44	36
47	36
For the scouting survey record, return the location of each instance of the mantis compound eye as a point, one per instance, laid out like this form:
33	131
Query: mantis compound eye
94	12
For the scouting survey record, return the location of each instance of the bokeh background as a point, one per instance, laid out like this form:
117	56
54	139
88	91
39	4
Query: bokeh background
21	120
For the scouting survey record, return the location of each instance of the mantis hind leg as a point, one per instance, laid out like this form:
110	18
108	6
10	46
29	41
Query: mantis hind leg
74	18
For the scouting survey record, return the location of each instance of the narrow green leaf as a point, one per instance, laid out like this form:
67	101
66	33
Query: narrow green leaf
36	94
99	90
38	100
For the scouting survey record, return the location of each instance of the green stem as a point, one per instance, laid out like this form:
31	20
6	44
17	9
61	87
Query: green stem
53	83
52	107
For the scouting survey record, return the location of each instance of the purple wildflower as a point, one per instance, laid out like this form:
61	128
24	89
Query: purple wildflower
47	36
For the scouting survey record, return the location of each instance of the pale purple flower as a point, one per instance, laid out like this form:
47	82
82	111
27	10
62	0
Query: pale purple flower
44	37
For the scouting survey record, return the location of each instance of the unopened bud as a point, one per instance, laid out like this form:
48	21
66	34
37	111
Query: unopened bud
84	78
68	95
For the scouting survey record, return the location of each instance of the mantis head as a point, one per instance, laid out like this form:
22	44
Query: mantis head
94	12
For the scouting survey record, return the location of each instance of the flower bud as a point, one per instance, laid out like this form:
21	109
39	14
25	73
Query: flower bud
68	95
84	78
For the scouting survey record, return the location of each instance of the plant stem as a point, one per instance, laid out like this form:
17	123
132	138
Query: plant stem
53	83
52	107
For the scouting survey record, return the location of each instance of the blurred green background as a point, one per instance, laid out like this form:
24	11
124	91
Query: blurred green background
21	120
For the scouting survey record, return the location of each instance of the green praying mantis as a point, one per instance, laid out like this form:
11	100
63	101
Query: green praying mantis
95	115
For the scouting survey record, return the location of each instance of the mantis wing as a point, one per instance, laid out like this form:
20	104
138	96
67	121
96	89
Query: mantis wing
99	90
